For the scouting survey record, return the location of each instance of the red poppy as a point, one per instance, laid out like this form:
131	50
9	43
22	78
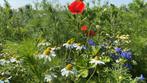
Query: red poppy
91	33
84	28
76	7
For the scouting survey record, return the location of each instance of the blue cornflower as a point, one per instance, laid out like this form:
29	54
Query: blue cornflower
126	55
141	77
119	50
91	42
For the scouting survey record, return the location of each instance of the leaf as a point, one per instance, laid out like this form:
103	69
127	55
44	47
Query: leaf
106	59
94	50
84	73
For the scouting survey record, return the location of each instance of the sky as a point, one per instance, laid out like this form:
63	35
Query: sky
19	3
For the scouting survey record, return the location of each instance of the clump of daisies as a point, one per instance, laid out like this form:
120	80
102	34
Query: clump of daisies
11	60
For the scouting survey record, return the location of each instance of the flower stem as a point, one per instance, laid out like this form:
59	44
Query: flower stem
91	75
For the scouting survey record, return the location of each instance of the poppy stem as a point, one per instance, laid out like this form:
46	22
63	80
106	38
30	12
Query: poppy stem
78	22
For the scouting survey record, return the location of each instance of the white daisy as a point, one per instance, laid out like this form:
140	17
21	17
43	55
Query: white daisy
96	62
12	60
50	77
3	62
48	53
78	46
68	70
69	44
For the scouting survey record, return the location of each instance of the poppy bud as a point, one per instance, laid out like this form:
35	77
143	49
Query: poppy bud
84	28
91	33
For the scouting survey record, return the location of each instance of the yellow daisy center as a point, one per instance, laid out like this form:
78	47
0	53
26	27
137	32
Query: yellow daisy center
47	51
79	44
71	41
49	48
96	57
69	67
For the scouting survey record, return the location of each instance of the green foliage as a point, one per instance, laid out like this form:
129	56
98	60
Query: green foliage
23	30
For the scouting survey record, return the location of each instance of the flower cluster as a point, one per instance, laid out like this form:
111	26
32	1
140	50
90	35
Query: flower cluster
5	75
88	57
124	54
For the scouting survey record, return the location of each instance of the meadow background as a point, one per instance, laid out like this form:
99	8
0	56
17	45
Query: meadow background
23	27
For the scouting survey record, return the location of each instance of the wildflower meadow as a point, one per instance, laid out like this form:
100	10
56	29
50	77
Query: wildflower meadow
76	43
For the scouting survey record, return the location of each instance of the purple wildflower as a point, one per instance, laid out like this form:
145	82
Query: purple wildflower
126	55
118	50
91	42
